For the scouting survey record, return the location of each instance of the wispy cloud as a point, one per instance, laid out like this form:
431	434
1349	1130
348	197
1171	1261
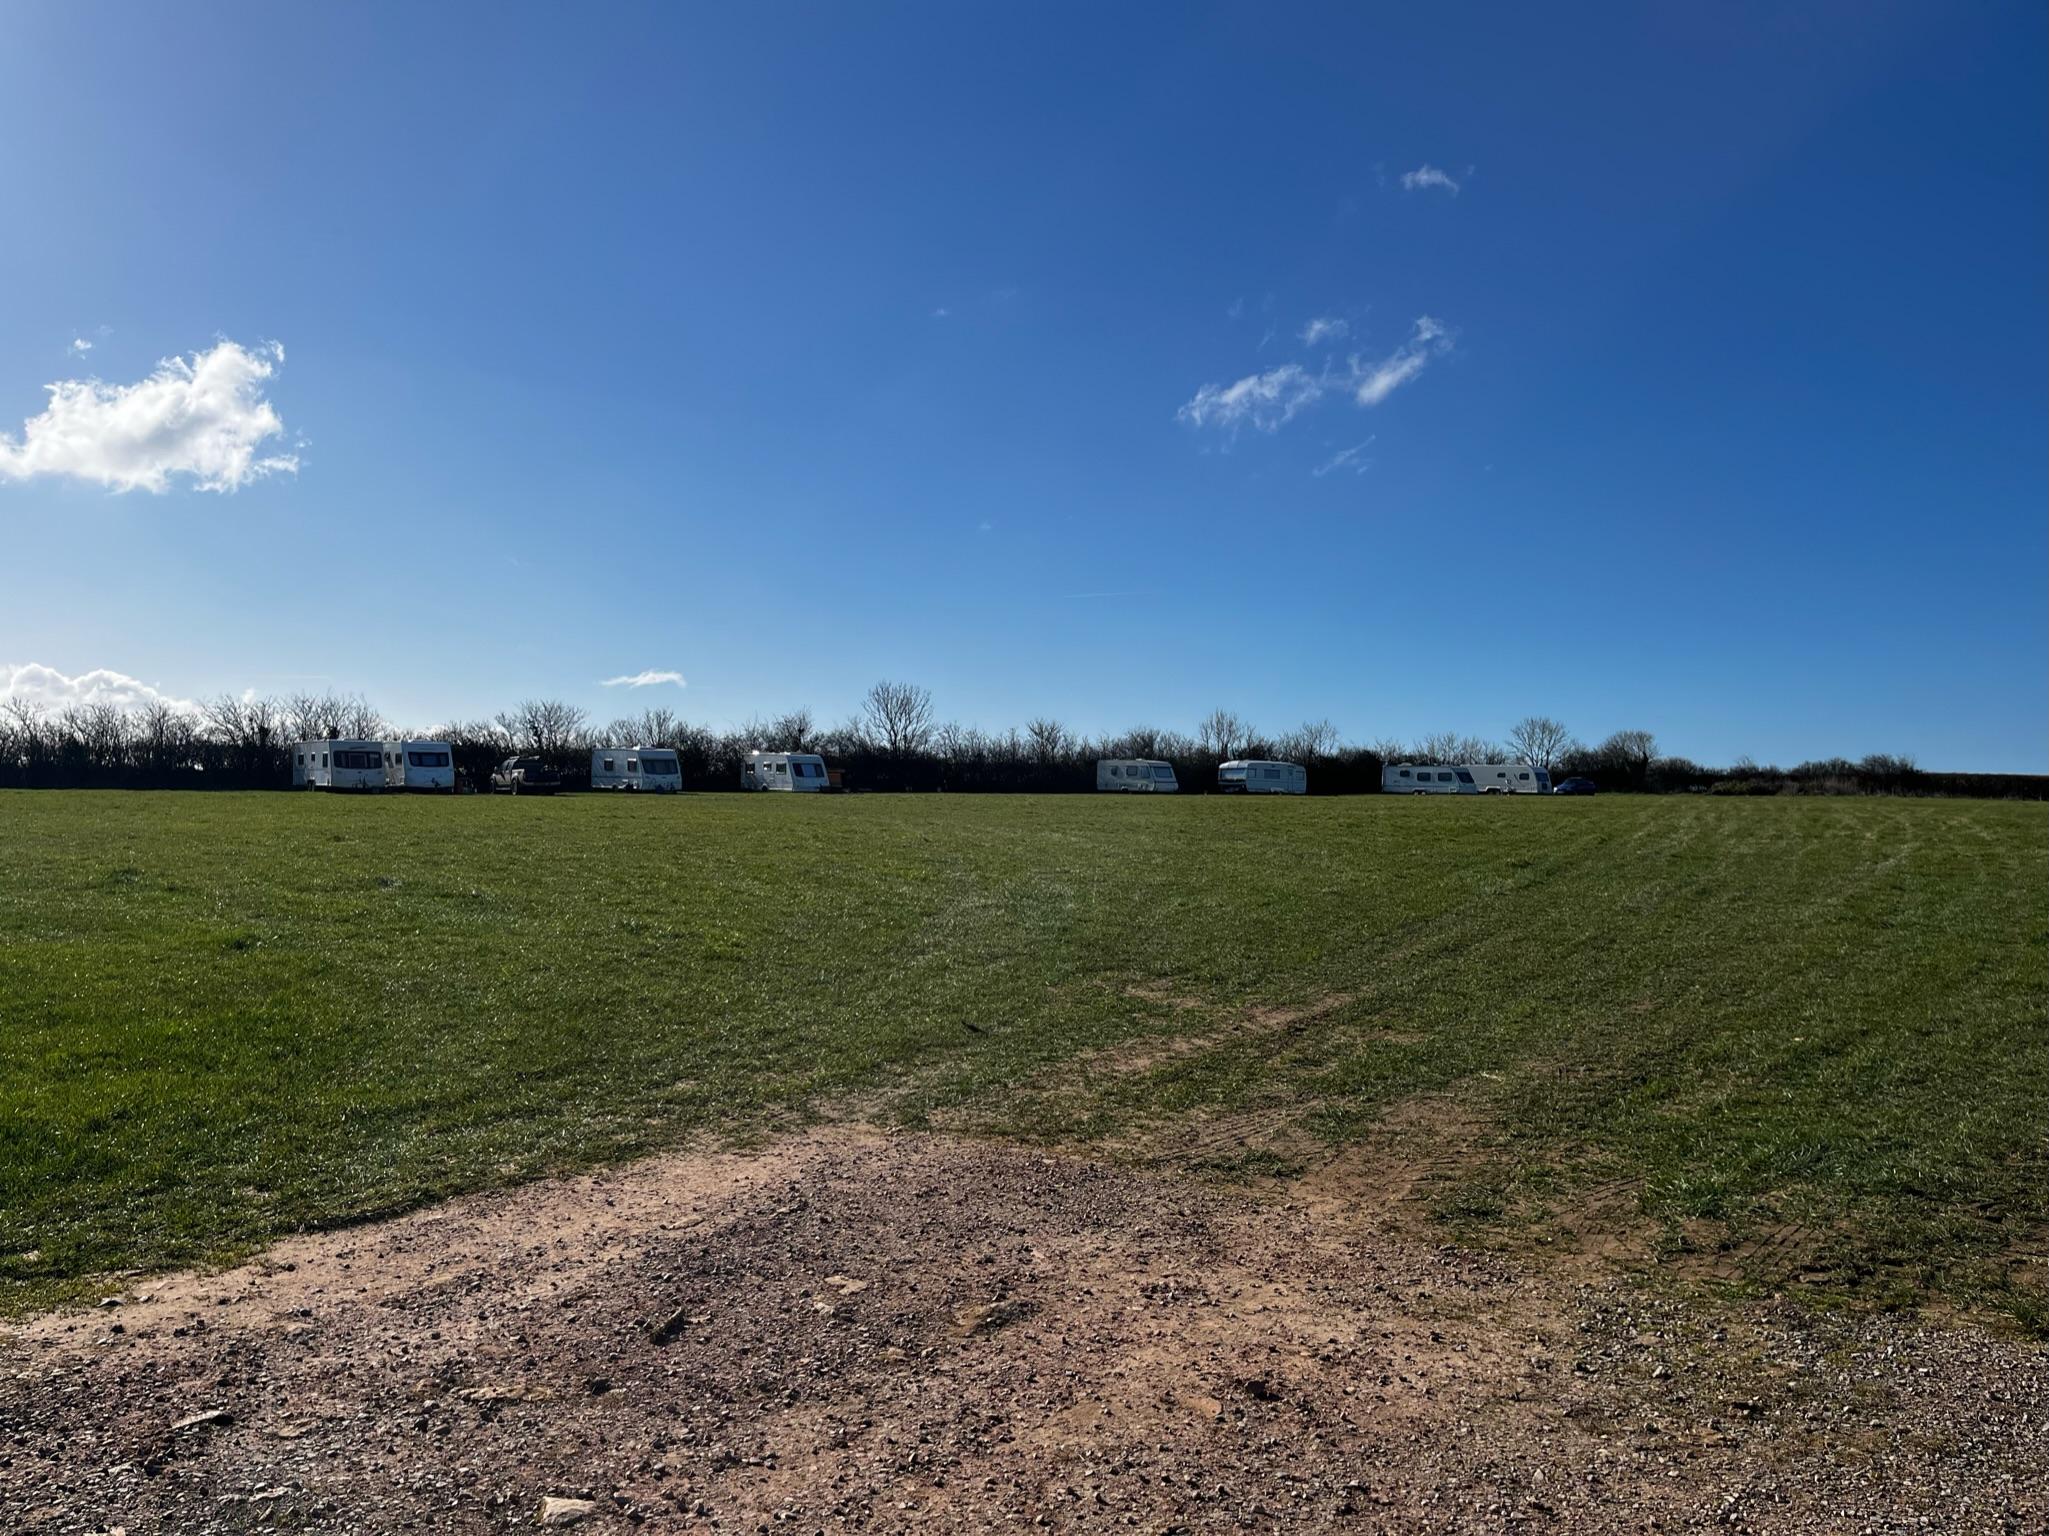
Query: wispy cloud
648	679
1423	177
79	346
201	418
1268	401
47	688
941	313
1373	384
1352	458
1236	310
1322	329
1262	400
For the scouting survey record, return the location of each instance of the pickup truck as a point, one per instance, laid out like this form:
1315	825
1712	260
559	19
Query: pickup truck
525	776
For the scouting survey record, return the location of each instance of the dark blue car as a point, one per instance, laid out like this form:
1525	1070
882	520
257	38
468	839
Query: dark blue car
1574	787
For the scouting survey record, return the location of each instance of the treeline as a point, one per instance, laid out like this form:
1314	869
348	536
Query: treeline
894	742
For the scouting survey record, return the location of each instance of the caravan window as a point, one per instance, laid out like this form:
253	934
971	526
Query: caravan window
1444	778
608	765
1522	775
1405	773
1464	777
1273	773
632	765
661	765
1162	771
428	759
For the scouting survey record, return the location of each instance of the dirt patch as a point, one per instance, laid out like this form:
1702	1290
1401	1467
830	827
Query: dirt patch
1147	1052
850	1331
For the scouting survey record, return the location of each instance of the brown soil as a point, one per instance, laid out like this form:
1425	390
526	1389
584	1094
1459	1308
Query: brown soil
851	1331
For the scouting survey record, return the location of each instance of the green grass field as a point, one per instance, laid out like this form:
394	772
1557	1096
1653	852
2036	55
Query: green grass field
1810	1033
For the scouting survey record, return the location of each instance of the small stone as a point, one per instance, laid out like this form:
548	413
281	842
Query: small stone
556	1511
213	1418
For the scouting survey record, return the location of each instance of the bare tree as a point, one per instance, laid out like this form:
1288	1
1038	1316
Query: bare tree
1450	748
544	725
1311	740
898	717
649	728
1539	741
1139	741
318	717
1631	751
793	731
1048	738
958	743
359	722
163	736
311	716
1222	733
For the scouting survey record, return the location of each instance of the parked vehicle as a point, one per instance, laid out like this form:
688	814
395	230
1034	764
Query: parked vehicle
525	776
651	770
1136	776
1256	776
419	765
338	765
1510	779
1426	779
800	772
1575	787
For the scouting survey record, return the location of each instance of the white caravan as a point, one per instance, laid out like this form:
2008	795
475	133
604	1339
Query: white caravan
1427	779
1255	776
653	770
801	771
1510	779
338	765
428	765
1136	776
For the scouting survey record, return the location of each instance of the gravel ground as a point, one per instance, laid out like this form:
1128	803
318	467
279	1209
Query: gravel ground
851	1331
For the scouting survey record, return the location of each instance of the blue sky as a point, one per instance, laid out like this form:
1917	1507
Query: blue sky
1696	383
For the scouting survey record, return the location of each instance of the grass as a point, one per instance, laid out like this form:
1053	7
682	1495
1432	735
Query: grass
1808	1035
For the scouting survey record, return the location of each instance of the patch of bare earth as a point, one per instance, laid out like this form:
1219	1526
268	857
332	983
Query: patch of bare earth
847	1331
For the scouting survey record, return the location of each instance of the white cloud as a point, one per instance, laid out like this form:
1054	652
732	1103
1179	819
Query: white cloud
80	345
51	689
643	680
1265	400
1269	400
201	417
1371	385
1324	328
941	313
1352	458
1425	176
